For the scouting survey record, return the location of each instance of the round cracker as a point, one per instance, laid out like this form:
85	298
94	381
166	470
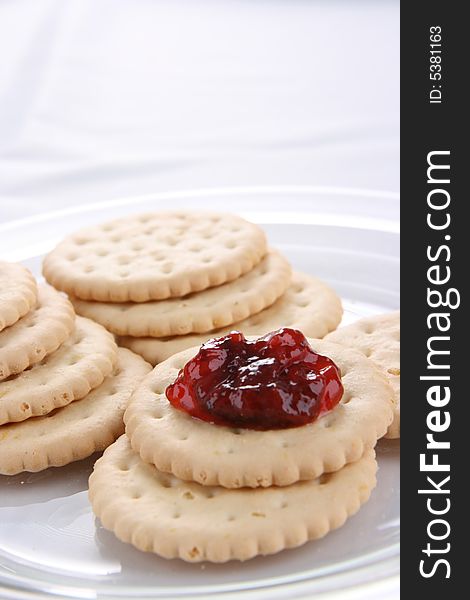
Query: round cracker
37	334
159	513
18	293
378	337
308	304
75	431
155	256
195	450
78	366
199	312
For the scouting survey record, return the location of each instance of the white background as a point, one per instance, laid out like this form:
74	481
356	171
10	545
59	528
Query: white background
106	98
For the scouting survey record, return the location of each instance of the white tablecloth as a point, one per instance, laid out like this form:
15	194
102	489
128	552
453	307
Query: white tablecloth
106	98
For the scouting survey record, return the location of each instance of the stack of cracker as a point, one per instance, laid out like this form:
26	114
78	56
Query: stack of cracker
181	487
64	383
164	282
177	486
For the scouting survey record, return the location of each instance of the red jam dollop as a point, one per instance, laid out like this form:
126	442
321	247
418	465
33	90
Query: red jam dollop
274	382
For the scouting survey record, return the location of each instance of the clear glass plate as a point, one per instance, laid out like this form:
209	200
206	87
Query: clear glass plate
50	542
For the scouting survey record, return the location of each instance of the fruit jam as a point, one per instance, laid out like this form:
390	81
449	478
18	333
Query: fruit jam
274	382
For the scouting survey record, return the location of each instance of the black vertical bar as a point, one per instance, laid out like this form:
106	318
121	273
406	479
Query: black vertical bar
433	121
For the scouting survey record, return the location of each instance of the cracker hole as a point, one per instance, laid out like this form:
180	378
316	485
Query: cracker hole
188	495
24	406
394	371
115	238
176	515
124	273
231	518
81	241
72	257
88	269
230	451
258	514
107	227
167	267
285	444
194	552
284	504
136	495
124	260
230	244
183	438
172	242
325	478
195	248
102	252
207	259
158	388
137	247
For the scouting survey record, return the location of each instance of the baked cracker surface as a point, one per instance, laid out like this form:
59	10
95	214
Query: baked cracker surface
195	450
18	293
378	338
198	312
75	431
308	304
159	513
78	366
155	256
37	334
